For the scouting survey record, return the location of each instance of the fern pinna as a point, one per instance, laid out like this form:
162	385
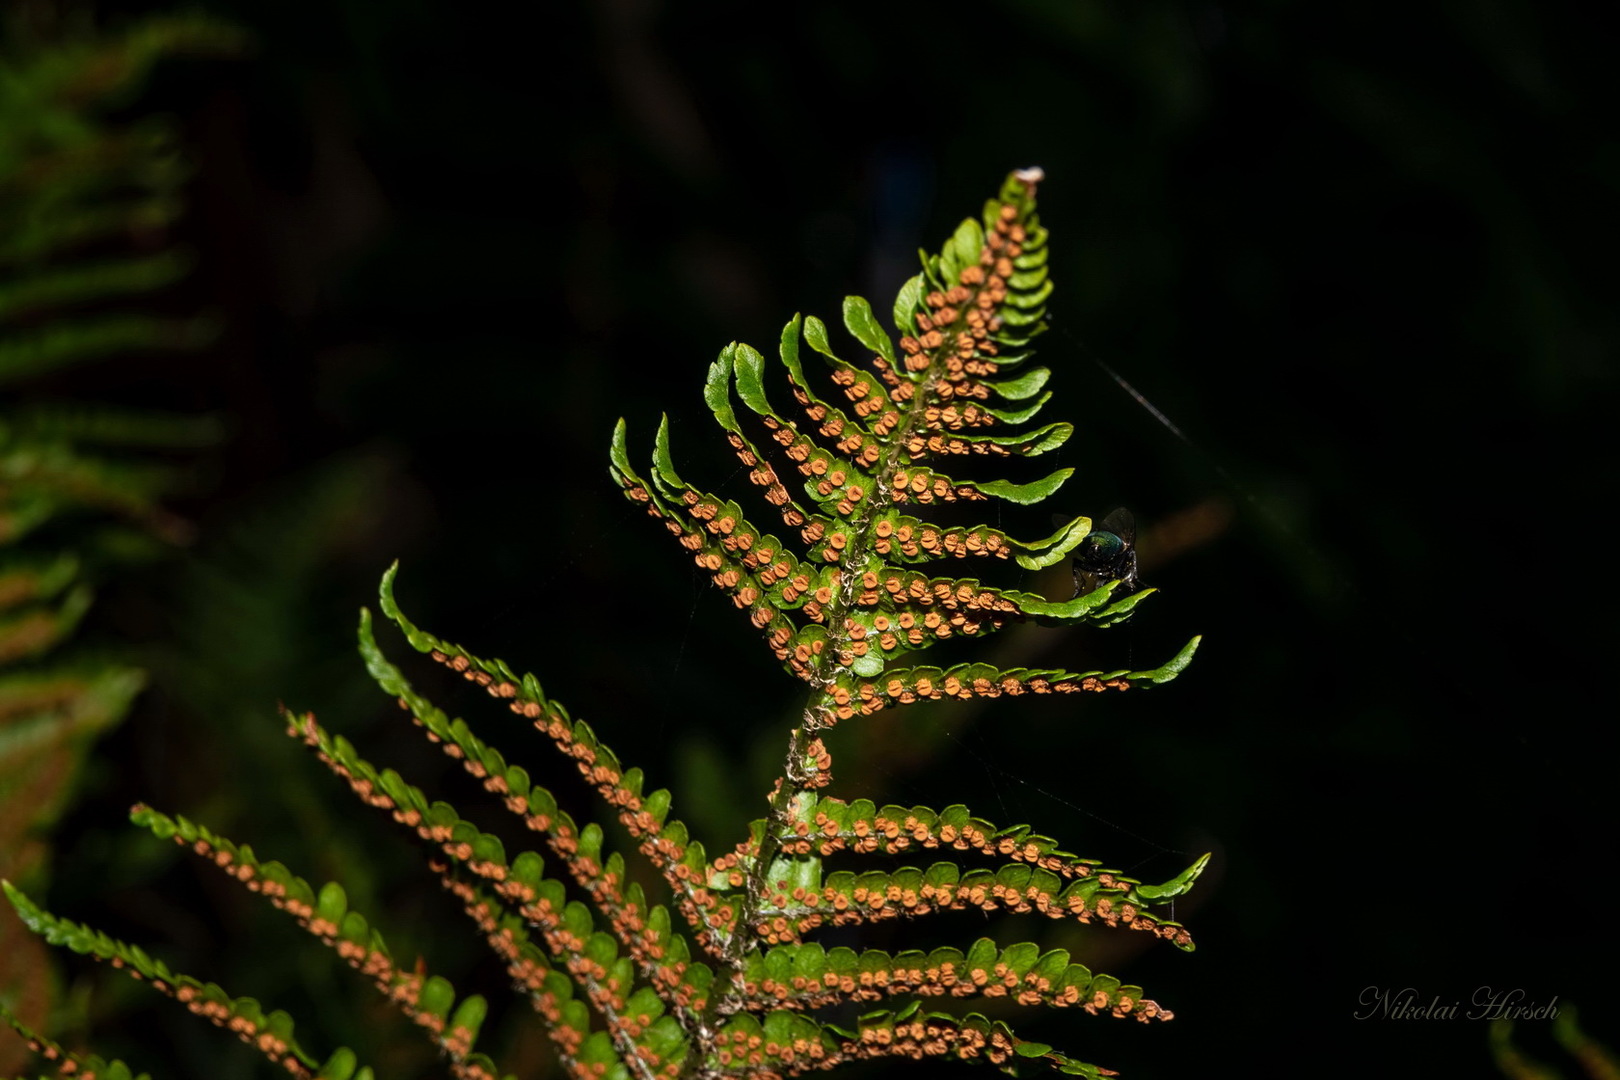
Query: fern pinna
725	978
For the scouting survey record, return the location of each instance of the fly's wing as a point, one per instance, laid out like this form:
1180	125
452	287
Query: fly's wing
1122	523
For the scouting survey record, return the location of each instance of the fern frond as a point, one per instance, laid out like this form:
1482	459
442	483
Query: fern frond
68	1063
905	686
801	975
46	480
572	941
1598	1060
428	1001
841	613
580	849
844	611
91	424
46	713
913	1034
827	825
641	1028
40	627
665	841
808	976
787	1043
270	1033
723	975
847	898
94	281
27	354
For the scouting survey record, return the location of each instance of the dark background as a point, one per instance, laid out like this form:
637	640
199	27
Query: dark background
1360	255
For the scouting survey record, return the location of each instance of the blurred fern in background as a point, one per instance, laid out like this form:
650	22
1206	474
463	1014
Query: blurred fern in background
86	203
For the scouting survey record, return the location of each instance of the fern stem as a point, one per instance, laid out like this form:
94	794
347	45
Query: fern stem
817	714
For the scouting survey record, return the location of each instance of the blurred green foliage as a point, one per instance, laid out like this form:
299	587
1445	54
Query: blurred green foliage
1594	1059
86	202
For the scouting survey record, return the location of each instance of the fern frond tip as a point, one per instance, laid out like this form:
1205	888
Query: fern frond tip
1178	663
1026	494
1176	886
663	465
618	444
1043	553
342	1065
378	666
26	909
419	639
862	323
385	591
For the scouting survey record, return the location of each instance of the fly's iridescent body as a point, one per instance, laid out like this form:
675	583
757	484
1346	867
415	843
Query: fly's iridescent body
1107	554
